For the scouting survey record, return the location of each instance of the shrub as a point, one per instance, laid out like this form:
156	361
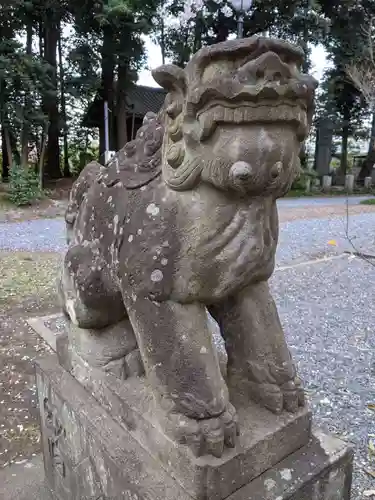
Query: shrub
300	183
370	201
23	185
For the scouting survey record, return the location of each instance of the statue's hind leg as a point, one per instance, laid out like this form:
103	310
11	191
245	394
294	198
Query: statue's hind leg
258	356
87	292
100	332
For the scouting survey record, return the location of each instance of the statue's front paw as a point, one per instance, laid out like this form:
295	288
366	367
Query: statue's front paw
208	436
276	398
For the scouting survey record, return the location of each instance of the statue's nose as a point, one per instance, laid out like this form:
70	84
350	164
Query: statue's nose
241	171
268	65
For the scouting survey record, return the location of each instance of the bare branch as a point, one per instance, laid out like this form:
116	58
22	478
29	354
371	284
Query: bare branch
362	73
363	78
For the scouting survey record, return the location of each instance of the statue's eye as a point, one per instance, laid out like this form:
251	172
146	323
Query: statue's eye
174	109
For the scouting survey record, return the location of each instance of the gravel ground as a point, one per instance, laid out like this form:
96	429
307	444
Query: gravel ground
309	201
303	240
33	235
299	240
328	311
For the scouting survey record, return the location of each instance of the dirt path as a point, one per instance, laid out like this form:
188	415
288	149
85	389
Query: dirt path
27	288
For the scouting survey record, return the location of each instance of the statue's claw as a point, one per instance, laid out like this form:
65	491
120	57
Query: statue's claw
208	436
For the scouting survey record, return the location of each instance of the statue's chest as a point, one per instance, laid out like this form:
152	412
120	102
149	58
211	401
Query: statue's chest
226	246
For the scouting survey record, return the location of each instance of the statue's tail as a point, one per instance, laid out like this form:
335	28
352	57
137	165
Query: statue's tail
79	189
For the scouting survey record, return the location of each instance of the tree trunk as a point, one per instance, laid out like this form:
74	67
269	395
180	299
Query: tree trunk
50	104
221	29
198	33
5	157
42	155
122	133
25	135
8	146
63	108
344	149
5	150
184	55
41	40
108	70
369	162
10	143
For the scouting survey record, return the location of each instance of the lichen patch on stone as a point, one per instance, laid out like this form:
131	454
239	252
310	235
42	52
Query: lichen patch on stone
156	276
286	474
152	209
269	484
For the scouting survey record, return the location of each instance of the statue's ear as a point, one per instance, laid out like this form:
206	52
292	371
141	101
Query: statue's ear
171	78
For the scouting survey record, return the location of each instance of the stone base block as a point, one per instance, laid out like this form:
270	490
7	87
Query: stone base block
88	454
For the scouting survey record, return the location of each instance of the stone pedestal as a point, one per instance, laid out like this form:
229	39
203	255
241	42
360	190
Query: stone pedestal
104	441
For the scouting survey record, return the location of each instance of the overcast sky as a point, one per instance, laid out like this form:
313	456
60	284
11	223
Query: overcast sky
319	61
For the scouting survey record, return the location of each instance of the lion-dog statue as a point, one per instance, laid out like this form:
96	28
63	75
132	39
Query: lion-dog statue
183	221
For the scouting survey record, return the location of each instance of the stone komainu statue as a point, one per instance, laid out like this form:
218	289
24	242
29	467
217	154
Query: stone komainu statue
184	222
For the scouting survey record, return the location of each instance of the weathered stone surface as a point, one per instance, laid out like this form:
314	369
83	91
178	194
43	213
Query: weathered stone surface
88	454
121	338
184	221
320	471
78	192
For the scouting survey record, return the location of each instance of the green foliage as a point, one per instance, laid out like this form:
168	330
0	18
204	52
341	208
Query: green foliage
80	156
213	21
300	183
369	201
23	185
346	44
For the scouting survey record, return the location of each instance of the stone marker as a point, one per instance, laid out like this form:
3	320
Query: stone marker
368	183
327	183
183	223
323	146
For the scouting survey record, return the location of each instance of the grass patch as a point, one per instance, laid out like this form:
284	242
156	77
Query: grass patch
28	273
370	201
298	193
